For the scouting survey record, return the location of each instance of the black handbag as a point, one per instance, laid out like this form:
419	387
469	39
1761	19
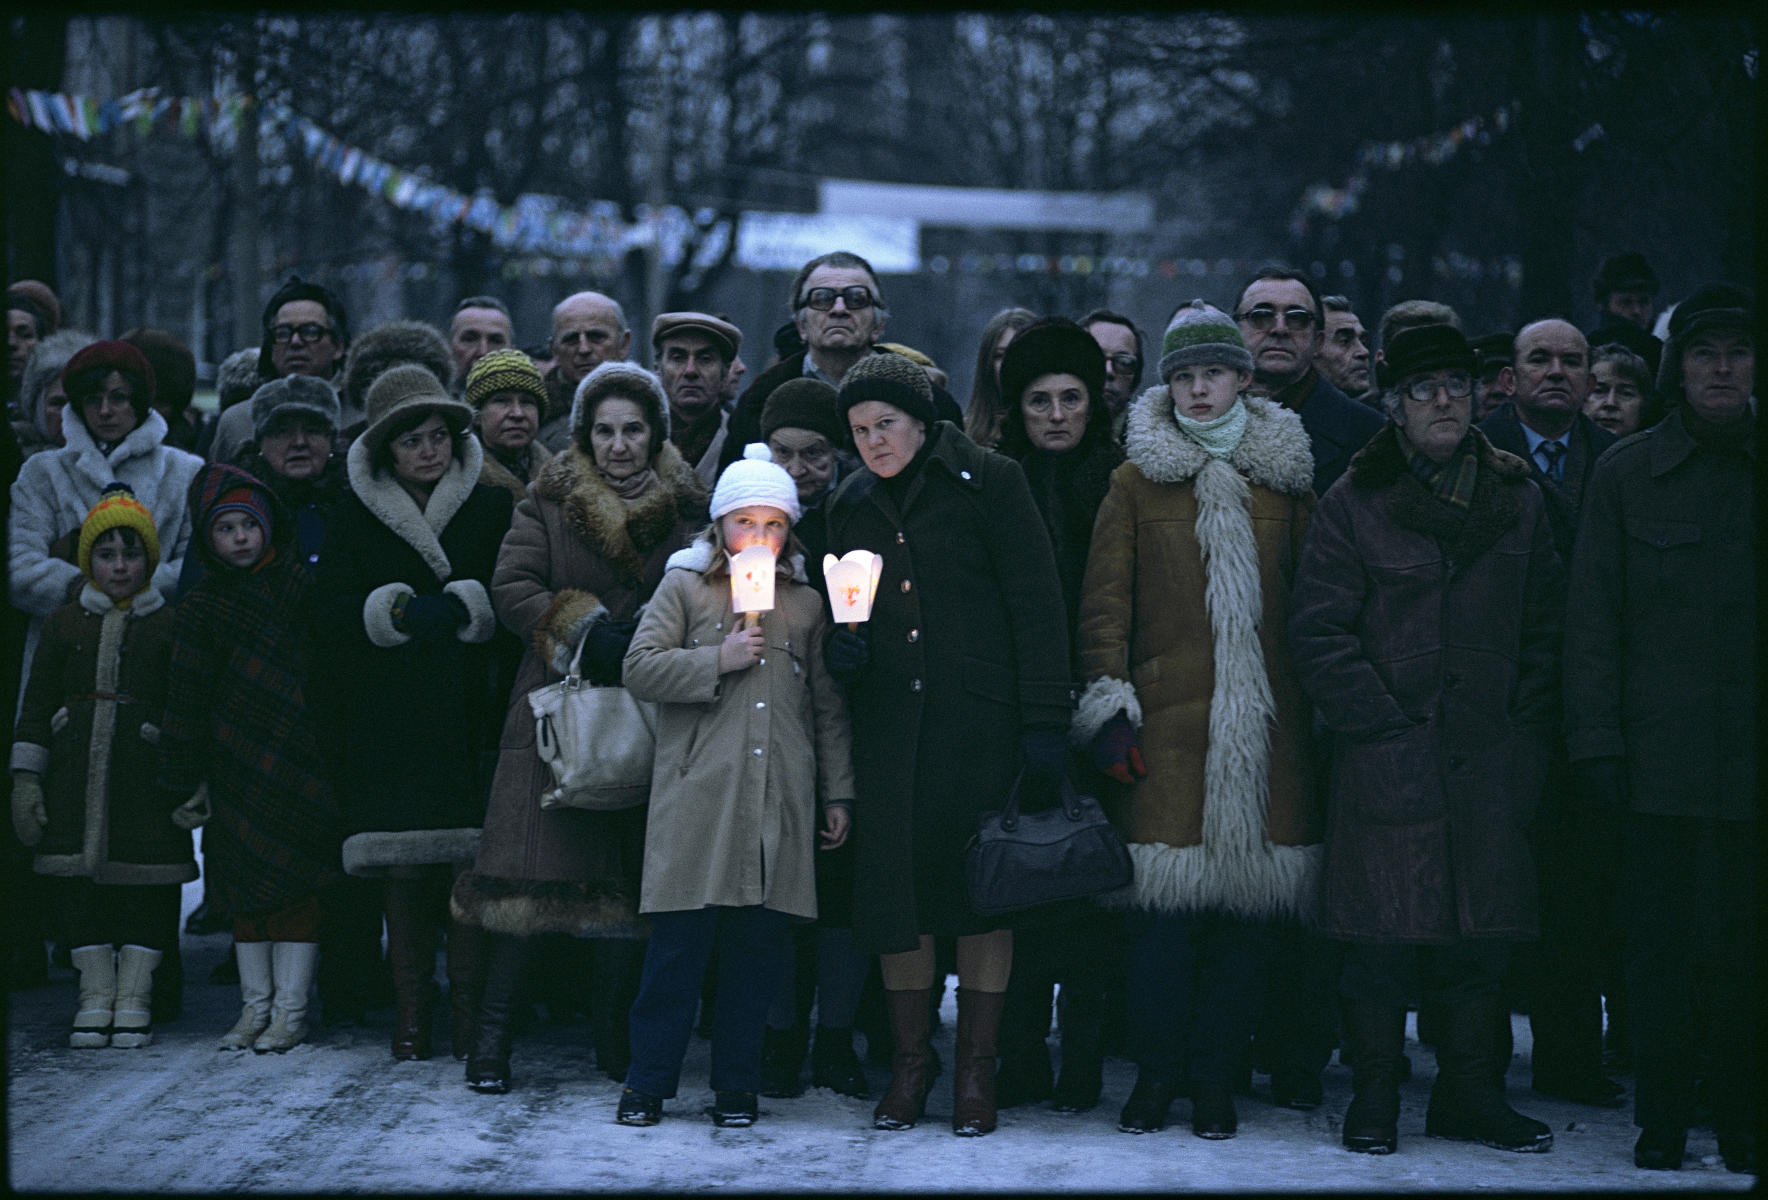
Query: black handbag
1021	860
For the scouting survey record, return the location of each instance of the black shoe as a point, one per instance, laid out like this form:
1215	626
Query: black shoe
1077	1087
1297	1089
1738	1148
834	1065
733	1110
1145	1110
1212	1111
638	1108
1595	1089
1483	1116
1371	1123
490	1076
1660	1149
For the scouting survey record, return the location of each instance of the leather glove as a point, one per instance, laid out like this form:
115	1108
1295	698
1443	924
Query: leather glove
846	653
1046	764
1117	750
1600	784
194	812
604	650
29	816
432	618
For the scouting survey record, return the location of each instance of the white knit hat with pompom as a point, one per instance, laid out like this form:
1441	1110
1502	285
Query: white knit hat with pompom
755	479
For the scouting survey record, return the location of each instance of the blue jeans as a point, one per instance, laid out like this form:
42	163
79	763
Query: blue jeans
751	955
1196	987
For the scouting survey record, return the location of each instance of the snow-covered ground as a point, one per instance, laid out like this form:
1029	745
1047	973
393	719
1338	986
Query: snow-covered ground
338	1115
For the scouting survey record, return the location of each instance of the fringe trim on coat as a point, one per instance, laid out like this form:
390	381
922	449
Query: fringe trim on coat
523	908
1099	703
481	620
1276	881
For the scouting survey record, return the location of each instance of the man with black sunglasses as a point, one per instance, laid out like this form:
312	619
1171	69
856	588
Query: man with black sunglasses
1279	315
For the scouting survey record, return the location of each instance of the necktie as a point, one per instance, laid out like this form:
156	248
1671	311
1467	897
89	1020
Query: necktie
1552	459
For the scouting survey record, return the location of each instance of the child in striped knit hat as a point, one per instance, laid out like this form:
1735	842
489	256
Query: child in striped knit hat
83	767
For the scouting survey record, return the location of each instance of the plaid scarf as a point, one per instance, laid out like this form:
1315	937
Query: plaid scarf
1450	481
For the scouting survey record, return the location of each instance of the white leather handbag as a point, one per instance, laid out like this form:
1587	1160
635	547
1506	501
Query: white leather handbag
599	741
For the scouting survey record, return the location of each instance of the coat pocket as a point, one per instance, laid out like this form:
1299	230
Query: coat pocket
1395	781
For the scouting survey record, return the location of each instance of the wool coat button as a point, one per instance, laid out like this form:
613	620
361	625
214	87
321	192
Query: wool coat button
1662	541
906	585
914	635
963	474
899	538
914	685
761	704
756	752
763	662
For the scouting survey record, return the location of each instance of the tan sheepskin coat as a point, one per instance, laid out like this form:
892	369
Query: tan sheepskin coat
1183	622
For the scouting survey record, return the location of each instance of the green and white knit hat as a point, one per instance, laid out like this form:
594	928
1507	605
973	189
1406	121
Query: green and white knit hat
1202	333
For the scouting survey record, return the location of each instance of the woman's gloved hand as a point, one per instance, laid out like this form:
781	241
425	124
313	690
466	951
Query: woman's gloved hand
1117	750
29	815
431	618
604	650
846	653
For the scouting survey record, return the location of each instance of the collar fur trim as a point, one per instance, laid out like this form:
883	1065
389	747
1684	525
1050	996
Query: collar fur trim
619	533
144	439
697	556
393	506
1498	492
1274	453
147	601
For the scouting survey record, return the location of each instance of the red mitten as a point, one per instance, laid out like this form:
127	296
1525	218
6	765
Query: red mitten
1117	750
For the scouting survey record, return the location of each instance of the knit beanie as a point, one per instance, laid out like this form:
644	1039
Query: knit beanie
120	357
889	379
1052	346
803	403
1201	333
117	508
250	501
504	371
755	479
293	395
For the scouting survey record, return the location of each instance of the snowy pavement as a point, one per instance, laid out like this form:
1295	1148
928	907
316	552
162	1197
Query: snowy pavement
338	1115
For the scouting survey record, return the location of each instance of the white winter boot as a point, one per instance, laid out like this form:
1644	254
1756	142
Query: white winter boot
132	1024
98	996
254	989
296	963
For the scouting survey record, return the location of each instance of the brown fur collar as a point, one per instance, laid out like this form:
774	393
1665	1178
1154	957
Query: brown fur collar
1498	493
620	534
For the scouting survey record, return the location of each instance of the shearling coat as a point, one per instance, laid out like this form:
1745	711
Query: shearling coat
1660	640
1430	646
90	725
1184	617
495	474
408	719
969	648
742	758
574	553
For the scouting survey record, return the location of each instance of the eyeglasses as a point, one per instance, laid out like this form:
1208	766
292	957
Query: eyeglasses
1424	388
312	331
823	299
1125	364
1263	317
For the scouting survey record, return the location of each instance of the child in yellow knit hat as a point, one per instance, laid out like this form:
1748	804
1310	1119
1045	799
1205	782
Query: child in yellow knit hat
84	763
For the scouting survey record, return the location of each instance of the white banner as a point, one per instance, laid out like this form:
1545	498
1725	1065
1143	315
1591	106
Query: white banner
777	241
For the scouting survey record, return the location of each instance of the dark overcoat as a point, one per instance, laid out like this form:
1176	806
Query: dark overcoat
1587	442
1337	428
1429	644
969	647
1660	642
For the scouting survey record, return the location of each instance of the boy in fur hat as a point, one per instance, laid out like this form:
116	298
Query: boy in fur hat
1192	700
83	767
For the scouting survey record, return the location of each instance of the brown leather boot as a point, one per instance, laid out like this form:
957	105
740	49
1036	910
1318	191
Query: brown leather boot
411	956
973	1074
466	966
911	1059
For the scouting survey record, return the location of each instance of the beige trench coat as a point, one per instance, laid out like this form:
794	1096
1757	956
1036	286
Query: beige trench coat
742	758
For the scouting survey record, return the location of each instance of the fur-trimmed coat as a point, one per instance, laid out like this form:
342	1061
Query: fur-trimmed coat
743	757
1183	625
408	720
494	474
90	725
575	552
1429	642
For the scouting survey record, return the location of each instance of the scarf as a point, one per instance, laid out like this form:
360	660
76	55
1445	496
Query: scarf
632	487
1218	436
1452	481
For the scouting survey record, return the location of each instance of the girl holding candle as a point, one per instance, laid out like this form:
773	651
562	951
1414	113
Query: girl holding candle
751	732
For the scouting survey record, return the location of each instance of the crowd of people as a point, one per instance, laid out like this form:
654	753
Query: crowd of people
1414	678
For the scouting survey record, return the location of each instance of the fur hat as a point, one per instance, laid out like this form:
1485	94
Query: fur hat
402	391
890	379
755	479
1425	348
293	395
803	403
1623	273
628	380
1712	306
1052	346
114	356
43	296
727	337
388	345
1199	333
296	288
504	370
237	377
118	508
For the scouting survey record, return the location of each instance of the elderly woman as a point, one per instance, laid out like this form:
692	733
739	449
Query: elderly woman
982	416
1057	427
1425	629
587	548
1622	397
960	678
508	393
408	657
42	393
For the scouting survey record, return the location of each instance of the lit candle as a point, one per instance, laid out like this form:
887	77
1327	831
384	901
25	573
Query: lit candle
752	582
853	584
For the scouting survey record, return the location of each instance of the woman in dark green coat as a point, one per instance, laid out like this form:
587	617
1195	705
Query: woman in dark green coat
960	678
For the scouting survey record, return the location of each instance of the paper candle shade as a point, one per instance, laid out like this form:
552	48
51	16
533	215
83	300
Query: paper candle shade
853	583
752	580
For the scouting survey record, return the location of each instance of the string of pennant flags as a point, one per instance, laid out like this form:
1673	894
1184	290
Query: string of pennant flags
543	237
